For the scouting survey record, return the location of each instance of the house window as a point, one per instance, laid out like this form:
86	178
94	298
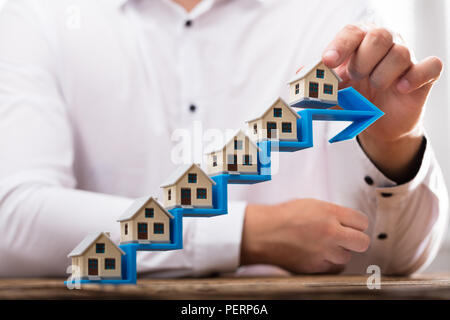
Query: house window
255	128
192	178
110	264
158	228
230	159
214	161
201	193
297	88
100	248
169	194
328	89
320	74
149	212
286	127
277	112
247	160
126	228
237	144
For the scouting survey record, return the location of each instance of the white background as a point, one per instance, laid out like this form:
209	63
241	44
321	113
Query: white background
425	25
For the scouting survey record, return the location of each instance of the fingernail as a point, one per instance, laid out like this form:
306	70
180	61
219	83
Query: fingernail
332	55
403	85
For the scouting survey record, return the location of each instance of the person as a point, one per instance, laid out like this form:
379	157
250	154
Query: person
91	93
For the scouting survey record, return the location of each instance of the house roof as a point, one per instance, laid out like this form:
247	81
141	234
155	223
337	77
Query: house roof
267	110
219	146
87	242
137	205
310	67
179	172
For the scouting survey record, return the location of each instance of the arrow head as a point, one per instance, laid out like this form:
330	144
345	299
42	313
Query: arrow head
359	110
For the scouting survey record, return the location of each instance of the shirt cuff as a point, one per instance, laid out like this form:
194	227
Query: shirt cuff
380	187
217	241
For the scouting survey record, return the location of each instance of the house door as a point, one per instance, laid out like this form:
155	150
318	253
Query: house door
313	90
186	196
142	231
232	162
93	267
271	130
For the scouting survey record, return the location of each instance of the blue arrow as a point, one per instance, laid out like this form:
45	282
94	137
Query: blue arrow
355	107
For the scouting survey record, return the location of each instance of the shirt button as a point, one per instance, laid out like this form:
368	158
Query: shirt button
192	108
188	23
368	180
382	236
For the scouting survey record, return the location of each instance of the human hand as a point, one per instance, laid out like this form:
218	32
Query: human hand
384	73
303	236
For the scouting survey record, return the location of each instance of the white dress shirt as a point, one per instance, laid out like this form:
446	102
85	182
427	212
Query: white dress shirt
91	93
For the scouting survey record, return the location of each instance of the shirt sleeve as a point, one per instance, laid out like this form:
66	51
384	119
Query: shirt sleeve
42	214
409	220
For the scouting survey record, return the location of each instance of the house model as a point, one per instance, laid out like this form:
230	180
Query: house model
238	155
145	221
189	186
97	257
279	122
314	86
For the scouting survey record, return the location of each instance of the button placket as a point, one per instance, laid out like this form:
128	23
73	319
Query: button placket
381	246
188	72
382	208
183	54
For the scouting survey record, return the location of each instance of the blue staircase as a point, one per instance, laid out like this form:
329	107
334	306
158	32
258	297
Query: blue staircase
355	108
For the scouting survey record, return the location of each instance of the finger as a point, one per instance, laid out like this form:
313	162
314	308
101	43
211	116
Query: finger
425	72
354	219
372	50
339	255
350	218
343	74
343	46
353	240
393	66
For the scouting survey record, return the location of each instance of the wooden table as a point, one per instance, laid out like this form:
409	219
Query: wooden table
435	286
